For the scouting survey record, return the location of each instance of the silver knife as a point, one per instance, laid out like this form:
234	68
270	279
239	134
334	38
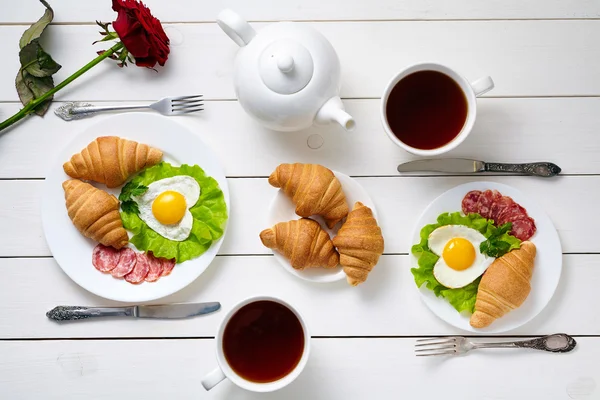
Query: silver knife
463	165
167	311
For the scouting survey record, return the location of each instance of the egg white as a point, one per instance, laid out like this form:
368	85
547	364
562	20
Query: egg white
447	276
188	187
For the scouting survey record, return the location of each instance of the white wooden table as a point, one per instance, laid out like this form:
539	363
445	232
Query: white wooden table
544	56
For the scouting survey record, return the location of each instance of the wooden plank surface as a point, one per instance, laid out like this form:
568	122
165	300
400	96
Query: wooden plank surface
399	202
562	130
202	58
388	304
73	11
337	368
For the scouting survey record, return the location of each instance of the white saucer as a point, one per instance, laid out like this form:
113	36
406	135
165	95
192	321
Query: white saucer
282	209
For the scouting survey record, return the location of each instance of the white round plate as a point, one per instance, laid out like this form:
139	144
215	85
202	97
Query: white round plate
282	210
73	252
546	271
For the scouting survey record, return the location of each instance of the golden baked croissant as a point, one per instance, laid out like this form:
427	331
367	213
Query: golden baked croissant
360	243
504	286
111	160
95	213
303	242
314	190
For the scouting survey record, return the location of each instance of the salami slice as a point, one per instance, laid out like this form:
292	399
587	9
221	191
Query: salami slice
499	205
156	267
105	258
523	228
484	204
469	202
168	266
126	263
511	213
140	270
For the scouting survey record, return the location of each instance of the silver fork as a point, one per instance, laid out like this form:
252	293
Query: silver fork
166	106
457	345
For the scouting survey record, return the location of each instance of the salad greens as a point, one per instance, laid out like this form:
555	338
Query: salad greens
498	243
209	214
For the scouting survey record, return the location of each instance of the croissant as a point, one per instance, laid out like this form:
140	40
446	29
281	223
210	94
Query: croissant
303	242
95	213
360	243
504	286
111	160
314	190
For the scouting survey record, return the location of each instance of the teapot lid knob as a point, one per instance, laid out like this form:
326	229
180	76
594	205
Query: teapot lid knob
285	66
285	63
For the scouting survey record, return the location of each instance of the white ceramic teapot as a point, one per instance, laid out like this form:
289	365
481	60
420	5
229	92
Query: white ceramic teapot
287	75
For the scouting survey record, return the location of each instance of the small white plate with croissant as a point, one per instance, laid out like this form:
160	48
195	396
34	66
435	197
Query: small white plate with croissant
131	217
328	243
491	254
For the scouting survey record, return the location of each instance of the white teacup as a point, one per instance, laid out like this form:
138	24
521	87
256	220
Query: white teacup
224	370
470	90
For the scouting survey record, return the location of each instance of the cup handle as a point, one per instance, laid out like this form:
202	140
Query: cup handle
482	85
213	378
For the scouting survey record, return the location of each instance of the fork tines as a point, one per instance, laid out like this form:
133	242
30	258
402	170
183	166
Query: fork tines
436	346
186	104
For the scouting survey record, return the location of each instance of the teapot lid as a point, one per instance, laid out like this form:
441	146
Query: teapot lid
285	66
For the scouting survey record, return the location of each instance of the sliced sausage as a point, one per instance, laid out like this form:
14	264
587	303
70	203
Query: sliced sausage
126	263
156	267
469	202
168	266
484	204
105	258
523	228
511	213
140	270
499	205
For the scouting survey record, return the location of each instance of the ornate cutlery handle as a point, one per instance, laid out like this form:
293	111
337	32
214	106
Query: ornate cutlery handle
77	110
543	169
72	313
557	343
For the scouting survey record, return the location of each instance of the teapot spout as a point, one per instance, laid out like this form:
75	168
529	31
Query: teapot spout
333	111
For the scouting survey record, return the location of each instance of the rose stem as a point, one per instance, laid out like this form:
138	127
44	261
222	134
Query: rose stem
33	104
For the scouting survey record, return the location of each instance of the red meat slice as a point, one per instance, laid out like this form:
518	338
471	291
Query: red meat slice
523	228
484	204
469	202
105	258
511	213
126	263
168	266
499	205
140	270
156	267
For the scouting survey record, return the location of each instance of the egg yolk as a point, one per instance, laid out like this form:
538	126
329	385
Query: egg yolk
459	254
169	207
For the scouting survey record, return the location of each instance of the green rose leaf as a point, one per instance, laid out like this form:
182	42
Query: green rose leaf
36	61
34	78
30	87
36	30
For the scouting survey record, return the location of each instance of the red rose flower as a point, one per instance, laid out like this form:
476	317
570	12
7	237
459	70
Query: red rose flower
141	33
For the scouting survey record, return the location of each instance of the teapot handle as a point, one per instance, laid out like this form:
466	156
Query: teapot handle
235	27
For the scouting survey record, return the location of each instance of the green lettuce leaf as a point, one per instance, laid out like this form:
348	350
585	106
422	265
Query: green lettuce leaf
209	214
498	243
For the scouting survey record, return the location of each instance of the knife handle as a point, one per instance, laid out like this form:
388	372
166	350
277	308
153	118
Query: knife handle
543	169
73	313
